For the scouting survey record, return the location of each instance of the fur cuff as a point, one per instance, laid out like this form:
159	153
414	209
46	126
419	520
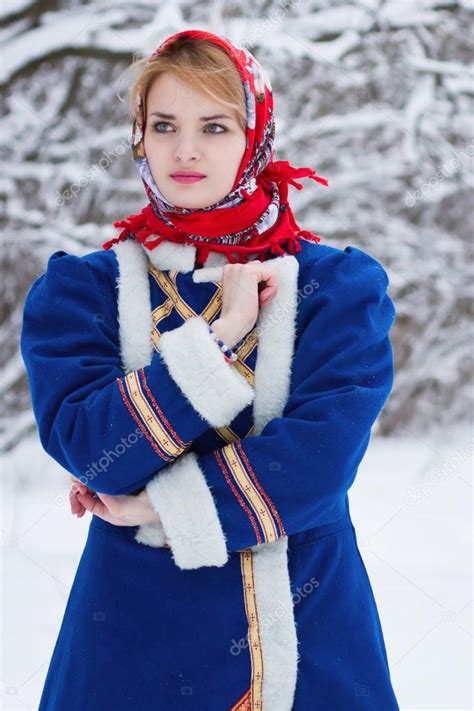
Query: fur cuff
151	534
180	495
216	390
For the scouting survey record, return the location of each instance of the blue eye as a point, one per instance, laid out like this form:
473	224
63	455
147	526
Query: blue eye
160	123
224	130
165	123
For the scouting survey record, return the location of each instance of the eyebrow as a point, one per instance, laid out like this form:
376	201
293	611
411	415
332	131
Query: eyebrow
171	117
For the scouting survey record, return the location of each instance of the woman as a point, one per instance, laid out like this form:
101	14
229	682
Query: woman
210	380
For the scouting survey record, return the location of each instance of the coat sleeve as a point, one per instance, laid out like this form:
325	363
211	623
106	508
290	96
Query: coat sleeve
295	474
111	429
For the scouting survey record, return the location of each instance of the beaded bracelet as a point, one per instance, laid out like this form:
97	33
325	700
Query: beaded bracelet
229	354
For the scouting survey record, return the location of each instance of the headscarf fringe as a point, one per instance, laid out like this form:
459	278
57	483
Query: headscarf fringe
281	171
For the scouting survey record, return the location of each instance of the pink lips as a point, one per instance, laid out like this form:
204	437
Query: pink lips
187	177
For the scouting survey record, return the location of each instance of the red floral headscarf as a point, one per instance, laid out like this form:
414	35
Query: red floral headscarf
255	216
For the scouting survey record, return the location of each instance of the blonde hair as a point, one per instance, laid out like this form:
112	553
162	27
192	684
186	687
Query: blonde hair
198	63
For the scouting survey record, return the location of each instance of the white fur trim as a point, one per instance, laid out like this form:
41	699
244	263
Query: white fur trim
214	387
276	330
182	258
151	534
207	274
134	306
213	267
214	259
277	624
182	498
170	255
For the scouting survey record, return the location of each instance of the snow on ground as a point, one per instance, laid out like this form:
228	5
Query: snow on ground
411	506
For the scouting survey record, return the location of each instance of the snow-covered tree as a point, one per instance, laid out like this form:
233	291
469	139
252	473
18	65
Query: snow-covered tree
375	95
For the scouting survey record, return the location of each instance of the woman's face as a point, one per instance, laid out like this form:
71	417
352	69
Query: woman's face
181	136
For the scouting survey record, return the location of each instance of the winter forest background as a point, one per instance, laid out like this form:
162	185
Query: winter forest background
377	96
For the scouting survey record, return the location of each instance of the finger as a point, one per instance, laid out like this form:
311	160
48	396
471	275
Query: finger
78	485
269	276
269	290
77	509
95	506
76	506
118	507
264	302
123	507
266	276
115	502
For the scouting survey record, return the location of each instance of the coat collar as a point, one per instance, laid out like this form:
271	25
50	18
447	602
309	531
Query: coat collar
182	258
171	256
276	323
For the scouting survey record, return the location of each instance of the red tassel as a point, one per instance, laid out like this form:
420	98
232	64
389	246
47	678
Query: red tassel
277	249
150	244
202	254
281	171
133	224
318	179
309	235
110	243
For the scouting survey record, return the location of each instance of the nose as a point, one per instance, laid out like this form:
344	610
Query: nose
187	150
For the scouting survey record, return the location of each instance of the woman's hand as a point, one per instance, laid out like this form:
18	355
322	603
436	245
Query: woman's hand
117	510
245	289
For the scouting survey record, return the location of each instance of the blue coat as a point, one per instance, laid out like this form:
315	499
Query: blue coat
250	593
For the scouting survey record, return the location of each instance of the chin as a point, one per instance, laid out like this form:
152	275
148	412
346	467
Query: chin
178	197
